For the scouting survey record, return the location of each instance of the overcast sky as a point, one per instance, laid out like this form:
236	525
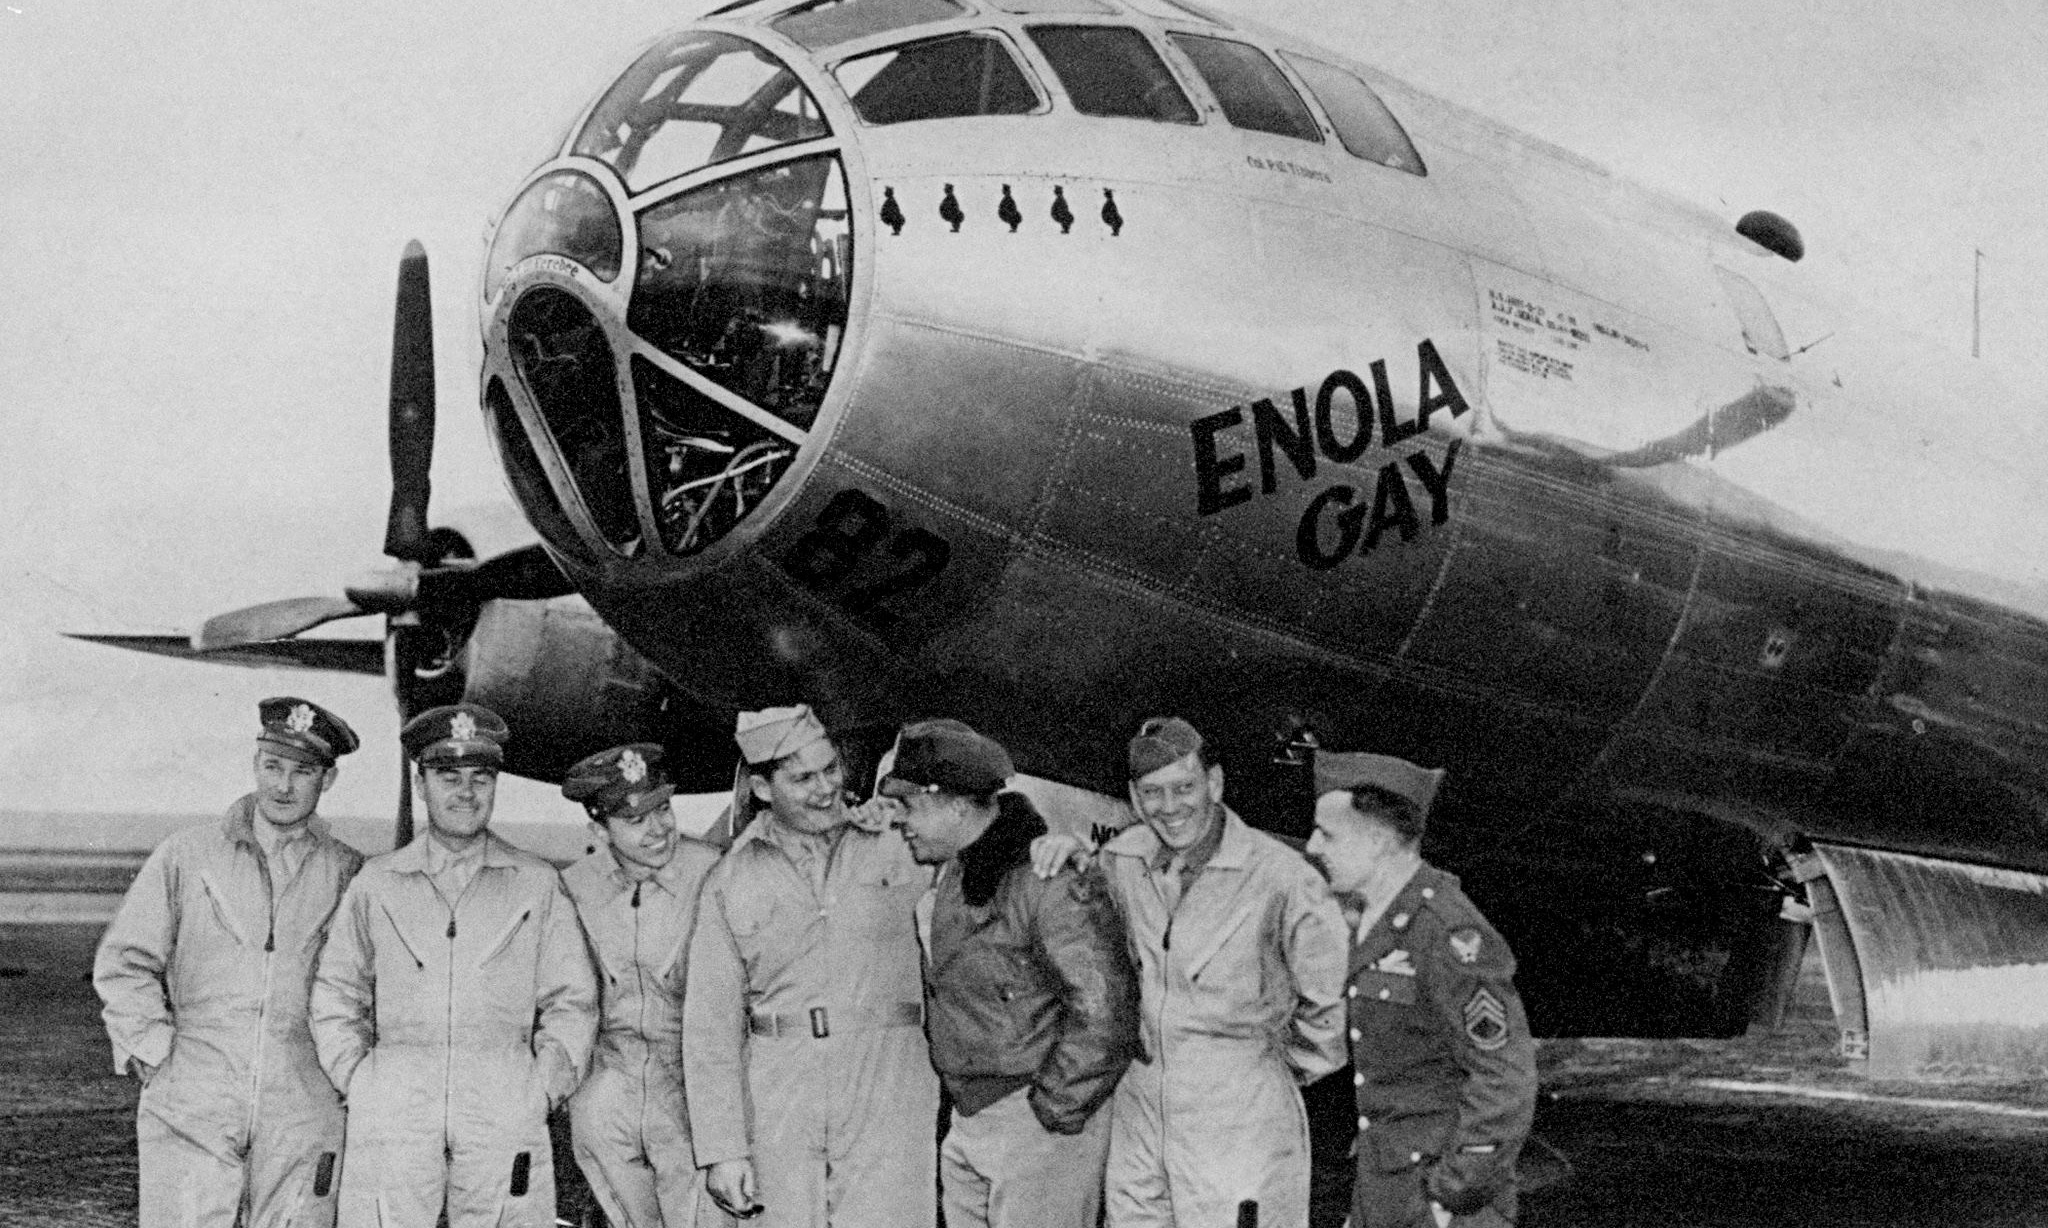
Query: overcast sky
202	205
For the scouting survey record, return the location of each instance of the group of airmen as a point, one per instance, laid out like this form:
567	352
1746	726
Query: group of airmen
768	1031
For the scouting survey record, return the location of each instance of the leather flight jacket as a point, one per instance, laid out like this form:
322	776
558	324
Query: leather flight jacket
1028	981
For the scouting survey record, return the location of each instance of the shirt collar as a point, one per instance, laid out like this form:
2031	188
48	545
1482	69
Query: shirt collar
623	881
1385	885
439	857
1233	842
1390	878
790	840
1201	853
415	858
240	822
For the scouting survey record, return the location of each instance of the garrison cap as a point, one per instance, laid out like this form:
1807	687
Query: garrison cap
773	733
456	735
946	756
1398	776
621	783
1162	740
302	730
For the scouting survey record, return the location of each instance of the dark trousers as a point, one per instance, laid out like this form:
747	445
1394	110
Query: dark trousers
1399	1200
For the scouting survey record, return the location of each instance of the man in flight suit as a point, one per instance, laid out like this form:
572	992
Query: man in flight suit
1444	1067
811	1095
1029	993
637	896
205	972
1240	954
455	1004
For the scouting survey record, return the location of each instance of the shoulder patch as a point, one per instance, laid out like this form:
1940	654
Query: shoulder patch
1465	944
1486	1020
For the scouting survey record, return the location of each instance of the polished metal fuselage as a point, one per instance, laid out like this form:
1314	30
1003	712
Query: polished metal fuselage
1593	544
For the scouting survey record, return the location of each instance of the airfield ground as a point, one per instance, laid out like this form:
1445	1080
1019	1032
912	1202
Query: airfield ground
1713	1134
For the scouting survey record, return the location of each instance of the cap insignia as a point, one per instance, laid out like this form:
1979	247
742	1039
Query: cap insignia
300	720
463	727
632	767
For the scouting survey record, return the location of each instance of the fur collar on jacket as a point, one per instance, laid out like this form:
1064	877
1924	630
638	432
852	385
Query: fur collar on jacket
1005	844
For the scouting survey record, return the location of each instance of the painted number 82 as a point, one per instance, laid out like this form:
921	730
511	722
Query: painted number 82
850	530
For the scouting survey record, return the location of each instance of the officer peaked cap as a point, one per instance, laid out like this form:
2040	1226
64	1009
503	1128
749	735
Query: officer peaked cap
621	783
302	730
456	735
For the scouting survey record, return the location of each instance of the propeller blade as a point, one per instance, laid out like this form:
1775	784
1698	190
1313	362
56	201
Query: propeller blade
332	656
412	411
273	620
402	836
525	574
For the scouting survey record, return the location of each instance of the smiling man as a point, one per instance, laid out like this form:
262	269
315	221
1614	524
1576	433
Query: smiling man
637	895
455	1004
812	1098
204	973
1240	954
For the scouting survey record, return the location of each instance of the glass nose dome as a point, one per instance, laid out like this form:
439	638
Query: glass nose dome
665	304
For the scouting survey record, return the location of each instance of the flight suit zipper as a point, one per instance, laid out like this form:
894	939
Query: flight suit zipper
263	1006
640	986
448	1016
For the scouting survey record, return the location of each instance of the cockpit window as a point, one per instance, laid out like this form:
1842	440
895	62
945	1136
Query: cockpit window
1112	71
945	78
696	99
827	23
745	281
1362	121
1249	87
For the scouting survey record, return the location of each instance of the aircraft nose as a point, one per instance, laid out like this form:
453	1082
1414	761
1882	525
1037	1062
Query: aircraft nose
666	302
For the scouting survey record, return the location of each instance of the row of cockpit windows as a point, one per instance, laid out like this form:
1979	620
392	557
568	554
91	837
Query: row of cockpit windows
702	97
1116	72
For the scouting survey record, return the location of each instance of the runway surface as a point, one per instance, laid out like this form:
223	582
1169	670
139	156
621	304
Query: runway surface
1713	1134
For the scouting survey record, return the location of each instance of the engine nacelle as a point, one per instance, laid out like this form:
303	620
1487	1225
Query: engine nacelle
568	686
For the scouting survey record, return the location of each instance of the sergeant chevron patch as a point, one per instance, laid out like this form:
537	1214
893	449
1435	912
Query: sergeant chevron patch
1486	1020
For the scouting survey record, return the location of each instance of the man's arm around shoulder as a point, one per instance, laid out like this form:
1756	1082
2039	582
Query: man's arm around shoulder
1315	944
1080	935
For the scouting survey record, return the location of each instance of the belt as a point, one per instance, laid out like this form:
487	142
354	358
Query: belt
820	1022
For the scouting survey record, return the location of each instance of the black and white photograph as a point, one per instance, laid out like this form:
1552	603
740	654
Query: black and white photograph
1023	614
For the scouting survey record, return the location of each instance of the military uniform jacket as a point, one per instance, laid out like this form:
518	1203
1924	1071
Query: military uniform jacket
1029	982
205	972
1444	1065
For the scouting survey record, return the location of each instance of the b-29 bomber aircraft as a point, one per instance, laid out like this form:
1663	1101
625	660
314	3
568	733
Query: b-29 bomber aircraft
1057	363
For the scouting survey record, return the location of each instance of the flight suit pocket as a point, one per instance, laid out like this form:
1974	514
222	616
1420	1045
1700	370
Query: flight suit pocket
747	915
222	914
505	939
